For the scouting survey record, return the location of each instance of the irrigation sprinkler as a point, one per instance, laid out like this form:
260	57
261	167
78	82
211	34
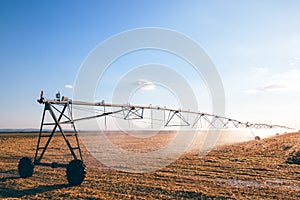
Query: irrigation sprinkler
60	112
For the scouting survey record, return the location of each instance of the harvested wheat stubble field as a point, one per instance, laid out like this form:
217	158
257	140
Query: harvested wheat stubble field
249	170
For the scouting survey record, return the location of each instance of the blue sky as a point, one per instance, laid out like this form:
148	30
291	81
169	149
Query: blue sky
255	46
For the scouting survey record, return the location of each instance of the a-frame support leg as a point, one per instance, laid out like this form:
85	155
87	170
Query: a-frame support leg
57	124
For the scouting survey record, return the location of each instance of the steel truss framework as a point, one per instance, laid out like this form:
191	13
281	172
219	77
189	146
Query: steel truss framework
60	112
129	112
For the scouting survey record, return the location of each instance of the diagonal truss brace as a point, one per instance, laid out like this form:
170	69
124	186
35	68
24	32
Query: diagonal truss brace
172	114
133	113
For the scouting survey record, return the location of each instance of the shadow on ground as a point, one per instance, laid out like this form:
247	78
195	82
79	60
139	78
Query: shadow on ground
6	192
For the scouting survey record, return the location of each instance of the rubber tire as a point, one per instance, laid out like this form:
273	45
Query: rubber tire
25	167
75	172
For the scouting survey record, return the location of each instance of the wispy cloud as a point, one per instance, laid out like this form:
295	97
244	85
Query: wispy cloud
295	61
261	69
272	87
69	86
285	81
145	84
266	88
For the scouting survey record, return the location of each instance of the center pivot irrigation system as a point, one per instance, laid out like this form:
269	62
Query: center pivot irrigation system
60	111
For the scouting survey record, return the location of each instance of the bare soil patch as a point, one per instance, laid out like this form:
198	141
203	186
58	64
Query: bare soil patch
257	169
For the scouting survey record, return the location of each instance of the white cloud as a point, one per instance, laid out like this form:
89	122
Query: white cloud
69	86
266	88
285	81
145	84
295	61
272	87
261	69
297	58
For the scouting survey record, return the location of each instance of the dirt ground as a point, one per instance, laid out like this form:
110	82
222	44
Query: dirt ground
255	169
